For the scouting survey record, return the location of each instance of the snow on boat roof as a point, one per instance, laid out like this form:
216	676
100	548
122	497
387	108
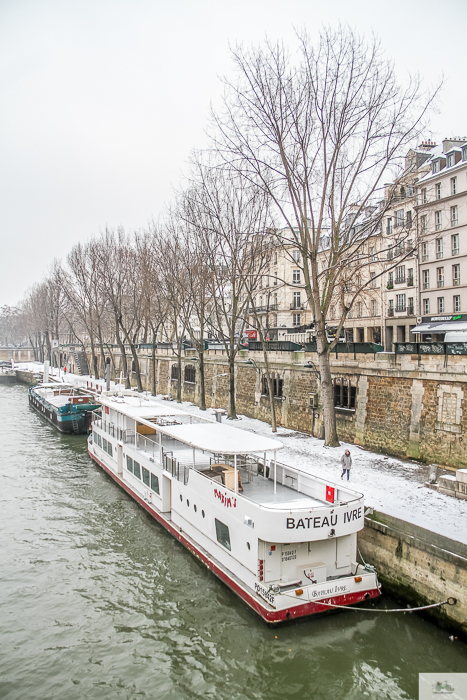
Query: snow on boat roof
136	407
221	439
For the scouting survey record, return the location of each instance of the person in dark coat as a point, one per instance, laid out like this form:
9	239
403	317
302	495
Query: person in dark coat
346	461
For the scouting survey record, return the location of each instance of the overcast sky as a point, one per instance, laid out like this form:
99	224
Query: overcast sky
101	102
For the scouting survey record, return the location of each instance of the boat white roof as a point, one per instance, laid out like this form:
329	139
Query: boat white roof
221	439
134	407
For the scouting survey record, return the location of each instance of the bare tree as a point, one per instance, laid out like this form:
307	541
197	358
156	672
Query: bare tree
317	133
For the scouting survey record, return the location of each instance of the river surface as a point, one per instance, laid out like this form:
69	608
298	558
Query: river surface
98	601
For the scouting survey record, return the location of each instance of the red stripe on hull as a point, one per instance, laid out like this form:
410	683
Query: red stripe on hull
292	613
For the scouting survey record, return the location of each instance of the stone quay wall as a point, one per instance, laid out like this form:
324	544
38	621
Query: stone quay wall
418	566
403	406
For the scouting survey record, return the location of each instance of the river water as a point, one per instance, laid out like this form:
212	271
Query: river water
98	601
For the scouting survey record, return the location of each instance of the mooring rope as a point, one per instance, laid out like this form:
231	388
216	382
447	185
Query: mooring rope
449	601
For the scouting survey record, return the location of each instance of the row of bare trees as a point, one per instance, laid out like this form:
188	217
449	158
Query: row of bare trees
299	150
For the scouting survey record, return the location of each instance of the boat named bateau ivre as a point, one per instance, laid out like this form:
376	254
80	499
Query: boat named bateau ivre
67	407
284	540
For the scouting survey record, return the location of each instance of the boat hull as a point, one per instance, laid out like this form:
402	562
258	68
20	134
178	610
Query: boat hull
268	614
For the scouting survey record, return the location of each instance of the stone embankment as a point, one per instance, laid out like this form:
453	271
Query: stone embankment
418	566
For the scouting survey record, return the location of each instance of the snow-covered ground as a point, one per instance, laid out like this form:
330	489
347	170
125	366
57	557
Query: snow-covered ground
390	485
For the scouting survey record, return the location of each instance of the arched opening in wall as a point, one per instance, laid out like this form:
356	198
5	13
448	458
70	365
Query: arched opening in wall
174	371
277	386
344	393
190	374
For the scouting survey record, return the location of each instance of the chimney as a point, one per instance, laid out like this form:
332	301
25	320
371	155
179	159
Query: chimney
452	142
427	145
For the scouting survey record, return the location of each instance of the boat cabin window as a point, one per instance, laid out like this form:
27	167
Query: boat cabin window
136	469
145	476
222	534
104	444
109	448
155	483
129	464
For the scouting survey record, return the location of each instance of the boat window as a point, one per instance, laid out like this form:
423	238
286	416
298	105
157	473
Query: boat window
109	448
155	483
145	476
136	469
222	534
129	464
104	444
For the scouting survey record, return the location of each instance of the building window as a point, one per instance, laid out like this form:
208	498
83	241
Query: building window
424	250
389	226
296	300
155	483
399	217
277	386
373	280
455	244
129	464
344	393
295	319
424	199
390	280
439	248
275	259
426	306
454	217
408	219
372	254
359	309
274	320
441	305
440	277
454	185
464	153
145	475
391	307
438	190
275	300
400	302
296	276
296	256
222	534
174	372
450	160
456	303
400	274
275	277
410	306
456	275
190	374
437	220
436	166
426	279
374	307
410	281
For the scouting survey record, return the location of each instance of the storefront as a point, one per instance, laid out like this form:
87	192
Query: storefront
434	328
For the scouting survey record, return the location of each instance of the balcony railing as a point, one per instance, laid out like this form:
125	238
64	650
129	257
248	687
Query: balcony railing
455	251
440	283
391	311
295	306
456	281
426	285
401	309
400	280
439	254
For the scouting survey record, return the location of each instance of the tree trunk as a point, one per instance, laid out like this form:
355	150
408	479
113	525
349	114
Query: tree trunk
122	351
137	370
232	413
202	389
179	380
330	428
154	391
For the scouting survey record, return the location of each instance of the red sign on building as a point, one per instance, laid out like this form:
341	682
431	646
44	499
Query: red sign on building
252	335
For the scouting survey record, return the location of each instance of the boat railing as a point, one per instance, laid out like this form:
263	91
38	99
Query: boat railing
181	472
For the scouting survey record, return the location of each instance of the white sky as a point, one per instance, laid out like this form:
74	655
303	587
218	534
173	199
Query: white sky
101	102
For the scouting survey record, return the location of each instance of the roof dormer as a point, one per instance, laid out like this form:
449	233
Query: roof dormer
453	156
437	164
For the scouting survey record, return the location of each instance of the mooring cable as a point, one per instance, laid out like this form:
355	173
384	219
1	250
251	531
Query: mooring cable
448	601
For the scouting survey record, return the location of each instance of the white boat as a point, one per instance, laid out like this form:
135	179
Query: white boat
284	540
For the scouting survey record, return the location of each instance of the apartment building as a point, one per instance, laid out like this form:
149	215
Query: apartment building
442	215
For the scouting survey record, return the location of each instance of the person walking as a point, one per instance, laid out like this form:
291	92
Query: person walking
346	461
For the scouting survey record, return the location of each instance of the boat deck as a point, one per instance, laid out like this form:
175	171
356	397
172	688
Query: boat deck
255	486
